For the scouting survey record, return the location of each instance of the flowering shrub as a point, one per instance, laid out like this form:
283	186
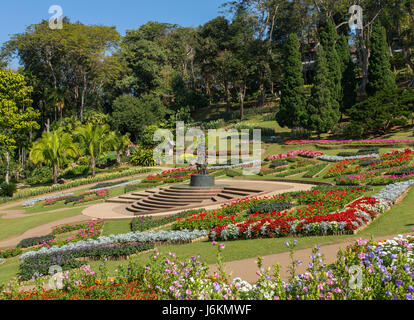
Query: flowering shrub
294	154
386	273
10	252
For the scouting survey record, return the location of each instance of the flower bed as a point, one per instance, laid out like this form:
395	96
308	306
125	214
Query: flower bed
357	142
338	158
10	252
356	215
69	259
176	237
294	154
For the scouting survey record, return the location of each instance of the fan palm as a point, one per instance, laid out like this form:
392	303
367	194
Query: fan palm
53	150
93	140
119	143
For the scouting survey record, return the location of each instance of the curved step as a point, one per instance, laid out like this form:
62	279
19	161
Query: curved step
163	203
179	198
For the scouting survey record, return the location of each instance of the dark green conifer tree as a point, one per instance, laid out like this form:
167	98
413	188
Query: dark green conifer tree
321	110
293	102
349	76
329	37
380	75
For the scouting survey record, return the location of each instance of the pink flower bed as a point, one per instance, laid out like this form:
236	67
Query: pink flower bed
373	141
294	154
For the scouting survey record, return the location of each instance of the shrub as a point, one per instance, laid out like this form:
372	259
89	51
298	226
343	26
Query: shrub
82	170
142	157
31	242
40	176
74	199
367	163
268	207
233	173
278	163
7	189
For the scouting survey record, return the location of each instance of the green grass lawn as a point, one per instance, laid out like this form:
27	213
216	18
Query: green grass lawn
15	227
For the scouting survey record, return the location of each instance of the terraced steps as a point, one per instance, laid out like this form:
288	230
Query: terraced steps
166	199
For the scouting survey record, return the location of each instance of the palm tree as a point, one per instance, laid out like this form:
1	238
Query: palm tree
53	150
94	140
119	143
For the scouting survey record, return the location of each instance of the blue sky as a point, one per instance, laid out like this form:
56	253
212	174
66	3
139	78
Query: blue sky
16	15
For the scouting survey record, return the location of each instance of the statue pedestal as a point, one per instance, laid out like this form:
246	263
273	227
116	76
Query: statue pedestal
202	181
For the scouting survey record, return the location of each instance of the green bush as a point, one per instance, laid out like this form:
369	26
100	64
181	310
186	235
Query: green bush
77	171
7	189
142	157
40	176
269	207
233	173
278	163
30	242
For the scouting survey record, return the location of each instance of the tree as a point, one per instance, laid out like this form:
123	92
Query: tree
380	75
53	150
93	140
292	106
73	60
349	81
329	38
119	143
379	113
321	111
133	115
17	117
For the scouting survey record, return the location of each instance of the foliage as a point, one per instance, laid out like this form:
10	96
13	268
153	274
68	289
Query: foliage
381	112
292	104
7	189
380	76
142	157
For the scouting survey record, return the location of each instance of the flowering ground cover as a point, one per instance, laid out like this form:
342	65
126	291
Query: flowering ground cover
367	270
256	210
339	142
389	168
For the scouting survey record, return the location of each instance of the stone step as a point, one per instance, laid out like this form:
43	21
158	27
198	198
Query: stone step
151	206
117	200
153	201
236	193
179	198
243	190
227	197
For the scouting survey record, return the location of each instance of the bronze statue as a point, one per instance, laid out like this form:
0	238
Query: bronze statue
202	169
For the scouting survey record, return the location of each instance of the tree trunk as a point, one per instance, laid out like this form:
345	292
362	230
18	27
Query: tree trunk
83	98
262	98
6	178
228	102
55	173
118	158
93	165
242	96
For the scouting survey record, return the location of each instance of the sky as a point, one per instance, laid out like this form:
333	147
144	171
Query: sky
16	15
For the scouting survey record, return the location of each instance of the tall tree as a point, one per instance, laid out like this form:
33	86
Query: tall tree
292	106
17	117
53	149
329	38
321	111
349	76
380	74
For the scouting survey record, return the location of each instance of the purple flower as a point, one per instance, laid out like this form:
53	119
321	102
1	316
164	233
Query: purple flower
408	296
287	244
399	283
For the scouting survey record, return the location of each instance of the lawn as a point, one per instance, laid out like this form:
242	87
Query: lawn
15	227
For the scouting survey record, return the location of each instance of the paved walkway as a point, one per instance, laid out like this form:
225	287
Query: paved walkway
246	269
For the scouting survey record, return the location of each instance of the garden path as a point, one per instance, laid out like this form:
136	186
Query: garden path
41	230
246	269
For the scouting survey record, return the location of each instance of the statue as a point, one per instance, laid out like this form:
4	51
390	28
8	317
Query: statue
202	169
